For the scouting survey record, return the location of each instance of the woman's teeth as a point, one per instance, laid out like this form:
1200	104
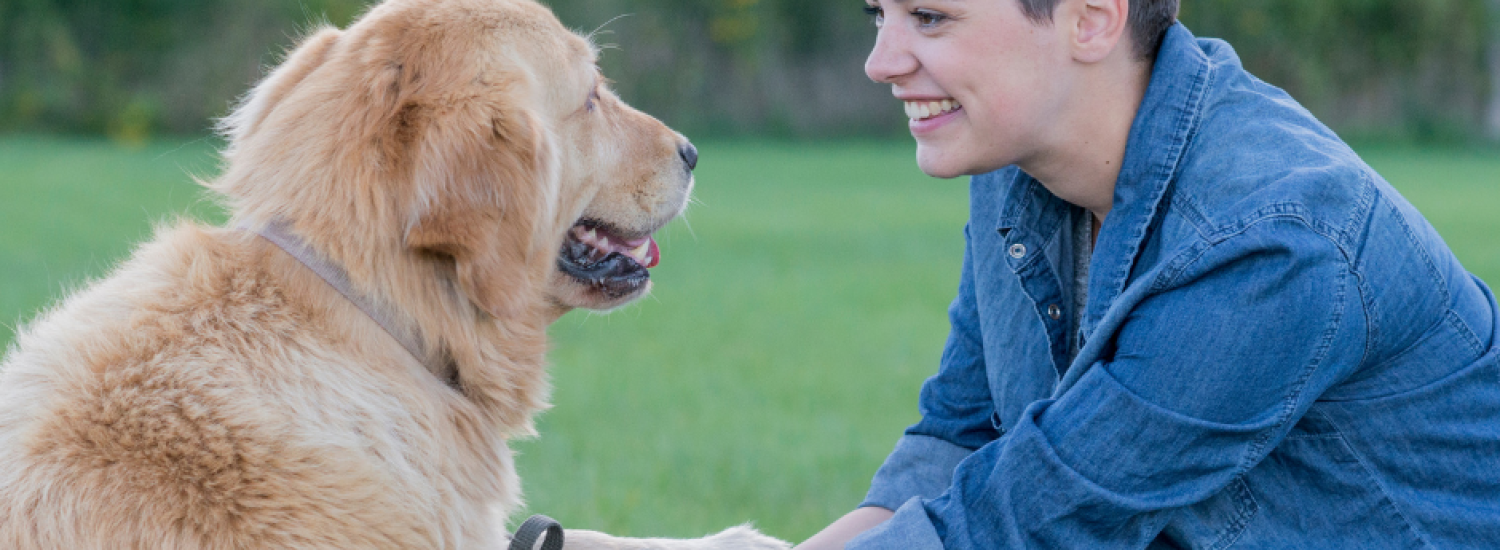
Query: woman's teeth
918	110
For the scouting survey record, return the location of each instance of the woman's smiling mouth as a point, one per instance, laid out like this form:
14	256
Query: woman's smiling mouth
922	110
929	115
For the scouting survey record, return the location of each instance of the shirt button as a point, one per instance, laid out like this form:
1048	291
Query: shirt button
1054	312
1018	251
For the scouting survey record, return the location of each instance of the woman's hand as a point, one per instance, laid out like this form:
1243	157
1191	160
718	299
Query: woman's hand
845	528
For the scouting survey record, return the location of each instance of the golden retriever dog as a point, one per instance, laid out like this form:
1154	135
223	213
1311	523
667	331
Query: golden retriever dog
414	199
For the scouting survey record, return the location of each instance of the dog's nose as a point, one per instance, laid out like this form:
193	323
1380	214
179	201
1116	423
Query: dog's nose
689	155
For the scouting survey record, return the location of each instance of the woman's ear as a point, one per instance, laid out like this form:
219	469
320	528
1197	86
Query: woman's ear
485	199
1099	28
258	104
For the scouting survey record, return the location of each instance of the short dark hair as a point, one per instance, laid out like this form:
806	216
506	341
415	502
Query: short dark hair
1149	20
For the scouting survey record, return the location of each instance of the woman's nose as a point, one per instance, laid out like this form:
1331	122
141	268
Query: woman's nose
890	59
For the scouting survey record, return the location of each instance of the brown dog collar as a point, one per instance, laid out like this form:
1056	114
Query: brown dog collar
278	233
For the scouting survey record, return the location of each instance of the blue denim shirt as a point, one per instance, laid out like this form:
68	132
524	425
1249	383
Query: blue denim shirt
1278	352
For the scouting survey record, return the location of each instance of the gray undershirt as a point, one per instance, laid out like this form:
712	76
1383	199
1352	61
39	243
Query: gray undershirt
1083	251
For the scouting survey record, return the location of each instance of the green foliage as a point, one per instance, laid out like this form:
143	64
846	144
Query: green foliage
132	68
773	67
1355	62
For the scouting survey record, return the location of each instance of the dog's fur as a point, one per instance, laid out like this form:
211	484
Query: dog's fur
213	392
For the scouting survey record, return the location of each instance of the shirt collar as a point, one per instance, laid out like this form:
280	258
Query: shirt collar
1165	124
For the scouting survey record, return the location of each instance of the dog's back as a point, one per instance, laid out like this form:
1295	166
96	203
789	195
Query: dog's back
185	402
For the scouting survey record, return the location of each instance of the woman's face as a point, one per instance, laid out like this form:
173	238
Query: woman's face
980	80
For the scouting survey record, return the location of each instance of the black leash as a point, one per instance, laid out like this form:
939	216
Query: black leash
532	530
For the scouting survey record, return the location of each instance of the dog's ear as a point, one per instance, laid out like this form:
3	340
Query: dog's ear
256	105
485	196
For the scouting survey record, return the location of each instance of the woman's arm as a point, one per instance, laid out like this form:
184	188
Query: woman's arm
845	528
1214	362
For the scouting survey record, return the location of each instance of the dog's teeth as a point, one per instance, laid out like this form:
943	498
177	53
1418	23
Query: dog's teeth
640	251
590	236
604	242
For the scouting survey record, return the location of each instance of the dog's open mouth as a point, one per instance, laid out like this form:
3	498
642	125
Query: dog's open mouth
607	259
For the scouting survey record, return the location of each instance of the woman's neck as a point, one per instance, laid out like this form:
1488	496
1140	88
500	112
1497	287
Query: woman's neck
1081	158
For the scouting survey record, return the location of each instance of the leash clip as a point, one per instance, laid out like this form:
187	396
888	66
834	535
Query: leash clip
533	530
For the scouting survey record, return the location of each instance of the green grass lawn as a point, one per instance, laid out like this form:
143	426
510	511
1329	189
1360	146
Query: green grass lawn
795	315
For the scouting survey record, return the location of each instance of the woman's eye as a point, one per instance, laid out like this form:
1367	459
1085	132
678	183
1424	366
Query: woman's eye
876	14
927	18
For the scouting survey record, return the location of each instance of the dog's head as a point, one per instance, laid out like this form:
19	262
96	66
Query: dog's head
477	135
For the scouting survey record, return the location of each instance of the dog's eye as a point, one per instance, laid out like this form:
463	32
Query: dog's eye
593	96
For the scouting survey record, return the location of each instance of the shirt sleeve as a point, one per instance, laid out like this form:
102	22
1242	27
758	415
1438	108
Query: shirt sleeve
956	408
1205	375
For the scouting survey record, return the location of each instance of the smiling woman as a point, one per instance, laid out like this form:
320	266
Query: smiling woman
1178	288
941	58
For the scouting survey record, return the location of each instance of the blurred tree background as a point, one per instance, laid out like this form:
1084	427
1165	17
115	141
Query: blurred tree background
1422	70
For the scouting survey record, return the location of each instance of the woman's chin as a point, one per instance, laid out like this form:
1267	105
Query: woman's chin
933	162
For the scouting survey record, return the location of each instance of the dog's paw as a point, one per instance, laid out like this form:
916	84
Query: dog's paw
744	537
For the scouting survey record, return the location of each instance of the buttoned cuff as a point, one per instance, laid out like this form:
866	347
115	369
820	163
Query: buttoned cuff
920	466
909	529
